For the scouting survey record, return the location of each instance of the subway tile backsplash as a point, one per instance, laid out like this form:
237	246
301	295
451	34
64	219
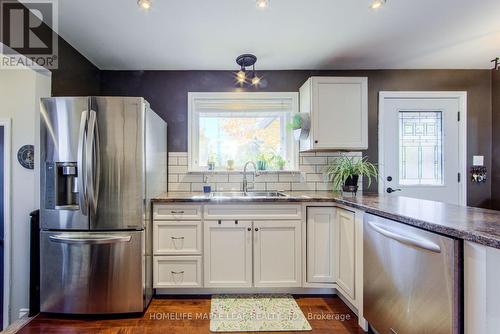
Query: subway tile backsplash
310	178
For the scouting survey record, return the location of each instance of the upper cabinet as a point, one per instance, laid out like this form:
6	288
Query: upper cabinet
338	108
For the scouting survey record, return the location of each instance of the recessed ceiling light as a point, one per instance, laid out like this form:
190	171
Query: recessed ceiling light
262	4
145	4
376	4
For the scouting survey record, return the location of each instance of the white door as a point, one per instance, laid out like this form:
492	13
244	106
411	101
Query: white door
421	145
321	244
277	260
228	253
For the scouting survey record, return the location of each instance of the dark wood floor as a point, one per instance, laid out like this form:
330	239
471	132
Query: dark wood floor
322	312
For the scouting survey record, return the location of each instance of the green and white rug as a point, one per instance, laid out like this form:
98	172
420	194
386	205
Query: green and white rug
256	313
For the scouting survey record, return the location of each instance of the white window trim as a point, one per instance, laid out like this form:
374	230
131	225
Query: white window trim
193	136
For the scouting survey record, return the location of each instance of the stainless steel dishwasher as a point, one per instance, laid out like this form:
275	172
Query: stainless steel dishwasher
412	279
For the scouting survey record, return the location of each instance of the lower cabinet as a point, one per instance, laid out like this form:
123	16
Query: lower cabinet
228	260
277	255
177	271
346	250
228	253
331	248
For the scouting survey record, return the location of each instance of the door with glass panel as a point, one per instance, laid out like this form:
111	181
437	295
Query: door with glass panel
420	148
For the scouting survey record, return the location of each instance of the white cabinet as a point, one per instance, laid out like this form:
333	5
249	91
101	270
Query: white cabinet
346	251
277	256
227	253
177	238
321	245
331	247
338	108
481	289
177	272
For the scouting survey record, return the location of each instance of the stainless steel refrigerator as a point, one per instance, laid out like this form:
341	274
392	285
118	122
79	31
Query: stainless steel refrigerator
102	159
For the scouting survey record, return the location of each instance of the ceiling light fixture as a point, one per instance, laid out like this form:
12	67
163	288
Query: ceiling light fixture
145	4
376	4
244	61
262	4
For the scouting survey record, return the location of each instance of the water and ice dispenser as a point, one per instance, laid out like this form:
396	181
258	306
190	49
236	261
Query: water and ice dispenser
61	186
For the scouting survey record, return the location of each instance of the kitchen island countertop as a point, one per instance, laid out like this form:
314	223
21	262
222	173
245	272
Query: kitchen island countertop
473	224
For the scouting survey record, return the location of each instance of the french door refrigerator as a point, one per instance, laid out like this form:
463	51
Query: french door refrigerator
102	159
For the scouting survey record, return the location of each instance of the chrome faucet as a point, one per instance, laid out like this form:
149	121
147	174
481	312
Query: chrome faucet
245	180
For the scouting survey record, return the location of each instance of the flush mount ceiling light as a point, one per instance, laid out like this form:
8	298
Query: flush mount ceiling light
262	4
145	4
244	61
376	4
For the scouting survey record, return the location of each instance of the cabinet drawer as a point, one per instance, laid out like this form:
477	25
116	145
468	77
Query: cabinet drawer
176	212
253	211
177	272
177	238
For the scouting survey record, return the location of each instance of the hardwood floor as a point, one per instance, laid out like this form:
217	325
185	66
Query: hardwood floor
171	316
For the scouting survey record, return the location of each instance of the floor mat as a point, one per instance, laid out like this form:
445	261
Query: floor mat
254	313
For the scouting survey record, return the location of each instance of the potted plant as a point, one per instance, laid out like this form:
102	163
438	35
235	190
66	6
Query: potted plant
300	125
279	162
345	172
263	159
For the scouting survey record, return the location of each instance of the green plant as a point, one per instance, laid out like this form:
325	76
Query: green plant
279	162
346	167
295	123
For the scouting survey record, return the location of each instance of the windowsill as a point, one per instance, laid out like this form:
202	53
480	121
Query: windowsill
241	172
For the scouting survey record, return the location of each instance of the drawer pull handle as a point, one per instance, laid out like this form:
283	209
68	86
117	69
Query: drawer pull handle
177	238
176	212
177	272
219	222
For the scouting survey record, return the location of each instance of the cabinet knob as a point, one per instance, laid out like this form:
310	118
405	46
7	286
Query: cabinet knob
315	141
249	229
256	229
219	222
236	222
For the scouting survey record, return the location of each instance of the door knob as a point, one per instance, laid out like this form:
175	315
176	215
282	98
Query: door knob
390	190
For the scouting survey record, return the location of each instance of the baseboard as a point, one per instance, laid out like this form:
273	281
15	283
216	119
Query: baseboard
211	291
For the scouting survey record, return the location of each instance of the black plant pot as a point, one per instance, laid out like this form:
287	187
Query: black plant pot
351	184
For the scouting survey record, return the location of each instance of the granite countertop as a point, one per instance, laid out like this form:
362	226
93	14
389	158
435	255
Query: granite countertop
473	224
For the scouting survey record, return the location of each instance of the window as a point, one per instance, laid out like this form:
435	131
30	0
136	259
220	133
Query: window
420	148
232	128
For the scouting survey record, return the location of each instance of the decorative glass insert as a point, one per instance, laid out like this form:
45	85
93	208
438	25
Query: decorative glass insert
420	148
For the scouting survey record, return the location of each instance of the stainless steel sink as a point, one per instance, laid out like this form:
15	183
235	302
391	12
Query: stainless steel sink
249	194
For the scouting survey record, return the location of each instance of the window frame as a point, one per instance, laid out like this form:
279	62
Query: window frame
193	124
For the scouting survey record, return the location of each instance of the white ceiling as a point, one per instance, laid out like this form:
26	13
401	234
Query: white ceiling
291	34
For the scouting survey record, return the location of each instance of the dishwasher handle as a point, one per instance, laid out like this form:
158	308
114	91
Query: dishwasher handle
411	240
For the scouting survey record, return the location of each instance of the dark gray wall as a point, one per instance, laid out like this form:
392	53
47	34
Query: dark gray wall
167	93
495	168
76	75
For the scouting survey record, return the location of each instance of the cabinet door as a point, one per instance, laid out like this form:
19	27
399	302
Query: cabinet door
340	113
277	261
321	244
346	251
228	253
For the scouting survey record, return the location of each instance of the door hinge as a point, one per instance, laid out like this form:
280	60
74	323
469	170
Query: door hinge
458	116
458	177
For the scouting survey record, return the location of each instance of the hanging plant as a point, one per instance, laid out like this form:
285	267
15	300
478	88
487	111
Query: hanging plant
300	124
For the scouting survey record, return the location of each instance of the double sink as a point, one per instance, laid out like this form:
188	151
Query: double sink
248	194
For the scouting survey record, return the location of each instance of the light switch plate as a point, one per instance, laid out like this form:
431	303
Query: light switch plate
478	160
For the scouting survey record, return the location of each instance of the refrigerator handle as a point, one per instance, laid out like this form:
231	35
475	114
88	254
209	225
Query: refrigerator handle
89	240
81	161
93	160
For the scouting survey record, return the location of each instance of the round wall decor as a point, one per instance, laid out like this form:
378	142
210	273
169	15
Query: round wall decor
26	156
